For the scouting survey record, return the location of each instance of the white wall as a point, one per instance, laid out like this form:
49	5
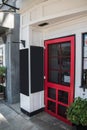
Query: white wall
26	4
36	37
24	29
40	10
56	8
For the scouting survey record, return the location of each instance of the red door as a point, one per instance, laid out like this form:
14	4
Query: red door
59	73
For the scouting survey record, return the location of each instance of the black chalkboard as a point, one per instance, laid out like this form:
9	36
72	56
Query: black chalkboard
36	64
24	78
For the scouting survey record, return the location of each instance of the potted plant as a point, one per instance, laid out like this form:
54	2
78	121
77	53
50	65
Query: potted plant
77	113
2	74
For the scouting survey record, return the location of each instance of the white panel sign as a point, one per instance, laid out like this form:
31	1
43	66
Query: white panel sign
66	79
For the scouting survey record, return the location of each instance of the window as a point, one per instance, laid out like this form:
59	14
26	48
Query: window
84	60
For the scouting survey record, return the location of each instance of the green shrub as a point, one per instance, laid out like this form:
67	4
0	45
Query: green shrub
77	112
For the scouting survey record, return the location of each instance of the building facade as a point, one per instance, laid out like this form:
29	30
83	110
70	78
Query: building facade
53	54
55	34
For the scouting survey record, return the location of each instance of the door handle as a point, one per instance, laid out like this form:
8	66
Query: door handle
44	77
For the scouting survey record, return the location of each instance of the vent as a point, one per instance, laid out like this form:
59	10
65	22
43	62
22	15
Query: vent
43	24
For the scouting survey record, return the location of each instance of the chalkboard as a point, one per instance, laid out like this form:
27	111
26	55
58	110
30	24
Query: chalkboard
24	78
36	65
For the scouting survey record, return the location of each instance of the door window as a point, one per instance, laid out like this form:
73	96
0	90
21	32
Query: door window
59	63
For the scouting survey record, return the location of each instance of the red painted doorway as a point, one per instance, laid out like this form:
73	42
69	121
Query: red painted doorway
59	60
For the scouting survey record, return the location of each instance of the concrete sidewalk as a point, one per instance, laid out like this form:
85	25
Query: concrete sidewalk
11	118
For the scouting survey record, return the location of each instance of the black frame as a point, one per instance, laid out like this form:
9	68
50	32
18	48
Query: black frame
84	86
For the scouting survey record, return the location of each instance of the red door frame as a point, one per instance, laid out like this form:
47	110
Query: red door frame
70	89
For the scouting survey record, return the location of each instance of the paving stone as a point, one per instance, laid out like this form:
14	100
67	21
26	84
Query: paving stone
11	118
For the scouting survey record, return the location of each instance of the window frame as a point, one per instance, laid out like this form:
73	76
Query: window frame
84	38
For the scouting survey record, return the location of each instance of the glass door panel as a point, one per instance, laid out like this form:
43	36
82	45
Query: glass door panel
54	50
63	96
65	63
52	93
65	49
53	76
